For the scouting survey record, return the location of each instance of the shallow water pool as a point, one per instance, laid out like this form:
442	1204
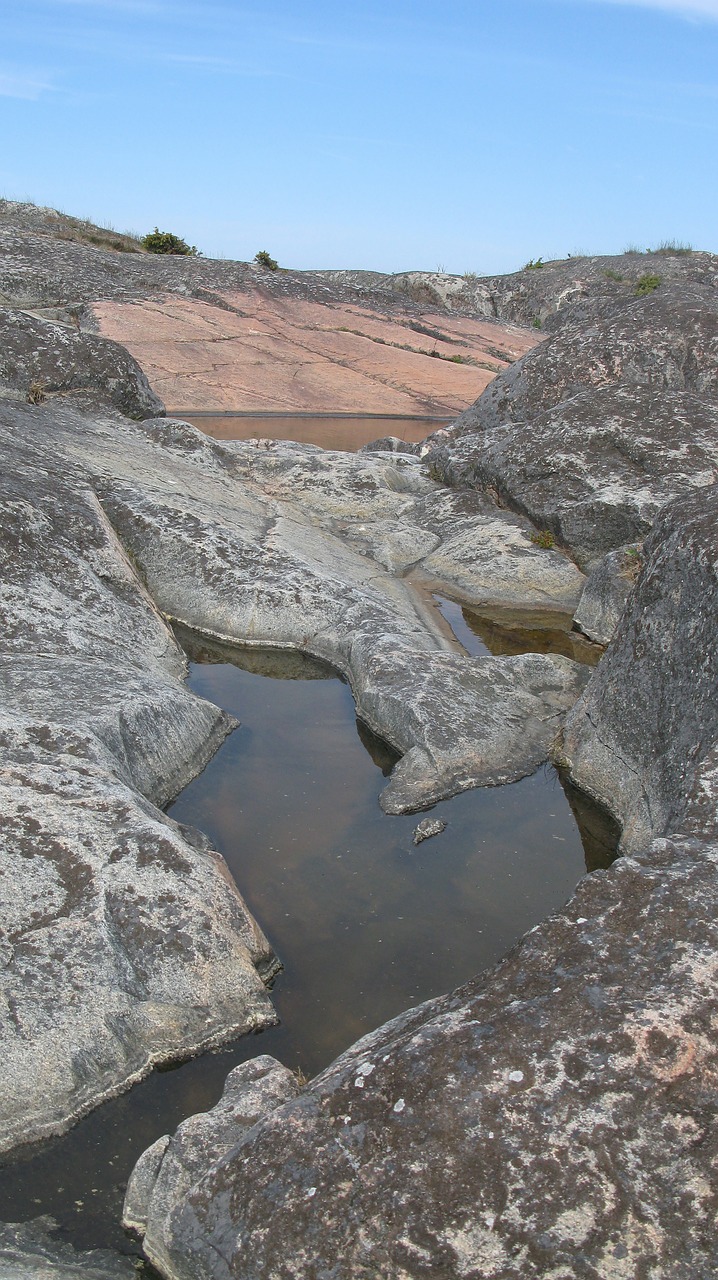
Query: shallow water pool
365	922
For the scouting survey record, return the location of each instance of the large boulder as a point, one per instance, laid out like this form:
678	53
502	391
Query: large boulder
40	358
648	721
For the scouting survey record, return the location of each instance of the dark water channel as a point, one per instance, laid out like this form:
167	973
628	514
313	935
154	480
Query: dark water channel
330	430
366	923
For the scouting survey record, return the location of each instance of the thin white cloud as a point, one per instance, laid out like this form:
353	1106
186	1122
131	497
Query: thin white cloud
683	8
28	87
116	6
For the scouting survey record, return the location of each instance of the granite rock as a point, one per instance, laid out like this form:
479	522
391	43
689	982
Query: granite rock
554	1116
647	723
40	358
109	527
29	1251
607	588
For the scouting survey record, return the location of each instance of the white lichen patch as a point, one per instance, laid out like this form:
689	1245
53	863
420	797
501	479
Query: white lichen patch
476	1249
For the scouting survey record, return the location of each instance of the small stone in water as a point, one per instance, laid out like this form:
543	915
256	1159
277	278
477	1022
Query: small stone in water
428	827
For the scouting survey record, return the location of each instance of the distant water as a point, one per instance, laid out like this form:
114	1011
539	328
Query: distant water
331	431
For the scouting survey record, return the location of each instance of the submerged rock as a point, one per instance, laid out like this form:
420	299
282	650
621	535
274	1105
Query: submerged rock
427	828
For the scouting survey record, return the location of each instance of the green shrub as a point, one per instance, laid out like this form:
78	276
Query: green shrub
671	247
166	242
543	538
534	266
264	259
536	322
646	284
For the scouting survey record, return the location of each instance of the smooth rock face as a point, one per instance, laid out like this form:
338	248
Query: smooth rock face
648	721
29	1252
38	358
553	1117
99	891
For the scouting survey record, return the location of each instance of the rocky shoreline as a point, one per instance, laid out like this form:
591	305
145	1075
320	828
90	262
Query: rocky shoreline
553	1116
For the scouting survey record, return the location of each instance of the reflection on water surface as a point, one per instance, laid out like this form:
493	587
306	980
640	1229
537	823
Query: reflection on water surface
506	635
331	431
365	922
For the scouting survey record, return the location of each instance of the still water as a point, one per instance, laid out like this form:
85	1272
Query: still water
331	431
365	922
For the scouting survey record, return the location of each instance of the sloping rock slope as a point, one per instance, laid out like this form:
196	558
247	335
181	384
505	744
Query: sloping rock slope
99	892
555	1117
29	1251
229	335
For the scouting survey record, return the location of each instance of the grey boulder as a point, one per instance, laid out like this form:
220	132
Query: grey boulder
39	358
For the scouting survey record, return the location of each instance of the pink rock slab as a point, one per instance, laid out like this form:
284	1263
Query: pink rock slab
298	356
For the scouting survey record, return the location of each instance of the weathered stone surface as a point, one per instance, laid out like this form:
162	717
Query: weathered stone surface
648	721
171	1167
99	891
607	588
555	1116
227	335
595	469
427	828
28	1251
551	1118
460	722
667	341
106	522
567	293
39	358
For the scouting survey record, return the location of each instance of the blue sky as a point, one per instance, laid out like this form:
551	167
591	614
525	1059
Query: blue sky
386	134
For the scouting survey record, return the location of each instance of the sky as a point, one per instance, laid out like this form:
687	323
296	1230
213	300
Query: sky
457	135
